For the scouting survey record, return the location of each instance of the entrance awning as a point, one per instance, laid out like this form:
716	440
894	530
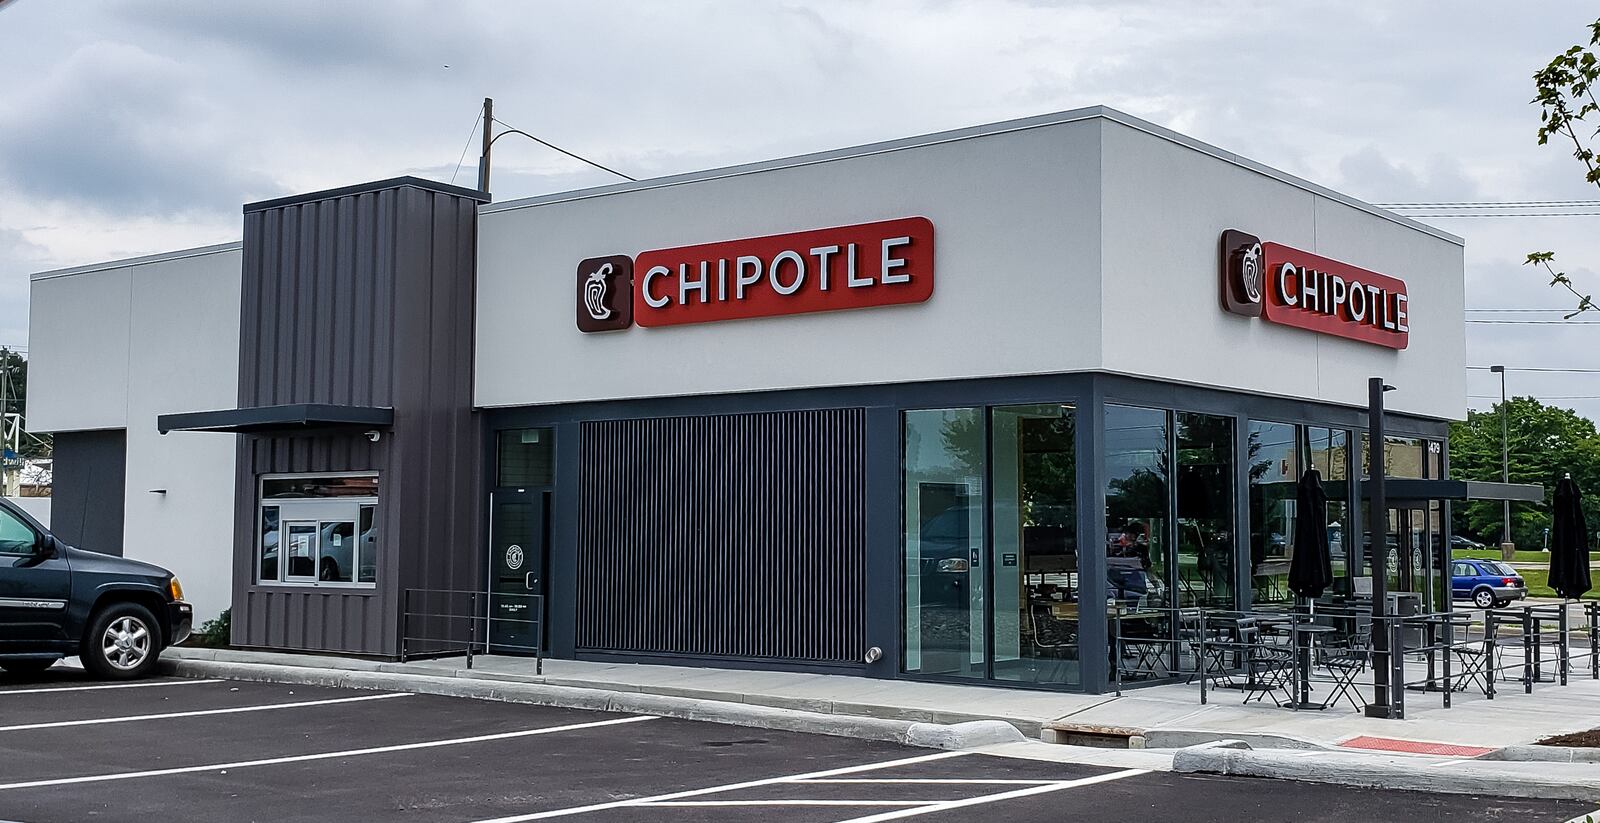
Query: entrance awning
286	418
1406	489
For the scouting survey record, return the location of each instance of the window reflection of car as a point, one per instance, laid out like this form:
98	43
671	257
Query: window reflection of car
339	555
338	559
945	542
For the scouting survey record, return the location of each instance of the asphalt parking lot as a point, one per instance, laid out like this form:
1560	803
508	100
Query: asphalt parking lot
180	750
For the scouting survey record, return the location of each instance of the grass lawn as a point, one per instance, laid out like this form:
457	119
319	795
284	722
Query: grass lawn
1494	554
1538	581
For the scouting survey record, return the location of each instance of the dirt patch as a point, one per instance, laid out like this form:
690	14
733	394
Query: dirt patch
1588	739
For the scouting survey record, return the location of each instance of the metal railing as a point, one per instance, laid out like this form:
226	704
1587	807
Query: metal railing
1292	652
446	622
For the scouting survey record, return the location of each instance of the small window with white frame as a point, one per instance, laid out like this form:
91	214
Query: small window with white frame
318	530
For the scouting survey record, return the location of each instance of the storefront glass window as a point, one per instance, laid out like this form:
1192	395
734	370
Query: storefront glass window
1035	558
1137	464
525	457
367	548
1205	569
1274	469
268	565
943	462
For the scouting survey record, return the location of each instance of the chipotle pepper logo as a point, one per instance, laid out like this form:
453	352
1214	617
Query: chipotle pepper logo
1242	263
605	293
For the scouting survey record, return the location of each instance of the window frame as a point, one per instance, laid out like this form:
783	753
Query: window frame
318	513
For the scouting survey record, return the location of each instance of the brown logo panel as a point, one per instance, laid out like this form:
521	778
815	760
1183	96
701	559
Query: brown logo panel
1243	273
605	293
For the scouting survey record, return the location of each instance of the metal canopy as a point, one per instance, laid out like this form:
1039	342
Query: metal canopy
1396	488
290	417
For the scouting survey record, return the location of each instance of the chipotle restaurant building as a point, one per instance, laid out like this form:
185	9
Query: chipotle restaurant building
932	408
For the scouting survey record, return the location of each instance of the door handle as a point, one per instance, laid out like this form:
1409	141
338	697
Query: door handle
528	580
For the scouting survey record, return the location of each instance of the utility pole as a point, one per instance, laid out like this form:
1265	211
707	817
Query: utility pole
1505	462
488	141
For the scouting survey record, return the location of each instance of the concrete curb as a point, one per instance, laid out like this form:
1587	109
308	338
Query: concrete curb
927	735
1184	738
1029	727
1546	780
1545	754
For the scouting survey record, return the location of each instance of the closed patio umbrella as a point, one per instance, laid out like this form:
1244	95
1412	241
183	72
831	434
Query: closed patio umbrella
1569	542
1311	567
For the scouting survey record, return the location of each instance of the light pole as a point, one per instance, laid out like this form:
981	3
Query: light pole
1505	461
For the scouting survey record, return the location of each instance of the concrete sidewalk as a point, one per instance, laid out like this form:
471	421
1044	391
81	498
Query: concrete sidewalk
1162	715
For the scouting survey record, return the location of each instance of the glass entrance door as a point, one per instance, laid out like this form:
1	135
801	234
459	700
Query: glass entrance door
991	563
516	578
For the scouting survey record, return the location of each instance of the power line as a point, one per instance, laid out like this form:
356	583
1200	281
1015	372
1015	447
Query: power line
547	144
1541	396
1538	369
1516	311
1534	322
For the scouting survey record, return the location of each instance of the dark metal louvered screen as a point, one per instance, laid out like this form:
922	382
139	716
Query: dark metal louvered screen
737	536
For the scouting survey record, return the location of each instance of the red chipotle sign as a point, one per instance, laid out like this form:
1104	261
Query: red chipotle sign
1291	287
848	267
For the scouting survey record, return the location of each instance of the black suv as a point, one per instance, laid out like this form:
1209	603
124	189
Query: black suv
115	614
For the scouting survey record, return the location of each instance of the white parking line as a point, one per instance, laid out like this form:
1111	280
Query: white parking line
732	803
933	780
995	798
300	758
56	724
106	686
749	784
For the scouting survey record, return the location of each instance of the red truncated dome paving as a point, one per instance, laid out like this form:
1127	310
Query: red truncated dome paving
1393	744
849	267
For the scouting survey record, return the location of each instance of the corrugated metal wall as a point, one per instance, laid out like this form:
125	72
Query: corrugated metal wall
363	298
737	536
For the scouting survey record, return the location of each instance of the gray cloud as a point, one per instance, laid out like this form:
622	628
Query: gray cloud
114	128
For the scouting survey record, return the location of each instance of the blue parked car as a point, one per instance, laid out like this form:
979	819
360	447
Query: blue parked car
1487	583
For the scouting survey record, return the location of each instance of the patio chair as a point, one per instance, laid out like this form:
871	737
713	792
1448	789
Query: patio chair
1223	656
1344	664
1269	666
1472	659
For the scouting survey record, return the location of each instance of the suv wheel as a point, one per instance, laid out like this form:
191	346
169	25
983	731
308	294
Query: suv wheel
123	642
1483	599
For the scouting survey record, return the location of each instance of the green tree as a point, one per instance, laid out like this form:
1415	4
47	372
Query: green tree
1543	443
1566	99
14	387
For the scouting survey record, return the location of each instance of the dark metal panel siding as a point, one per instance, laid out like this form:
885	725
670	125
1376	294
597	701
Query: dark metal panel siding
364	298
740	536
91	478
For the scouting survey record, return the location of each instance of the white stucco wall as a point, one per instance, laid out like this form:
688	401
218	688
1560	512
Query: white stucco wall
117	345
1166	206
1016	223
1076	242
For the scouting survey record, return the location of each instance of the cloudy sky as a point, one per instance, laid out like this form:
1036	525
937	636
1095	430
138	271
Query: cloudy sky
130	128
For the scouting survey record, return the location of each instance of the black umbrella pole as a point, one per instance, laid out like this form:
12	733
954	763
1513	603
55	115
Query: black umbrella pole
1378	528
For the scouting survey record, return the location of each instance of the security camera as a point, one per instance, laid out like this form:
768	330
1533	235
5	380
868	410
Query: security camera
374	436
